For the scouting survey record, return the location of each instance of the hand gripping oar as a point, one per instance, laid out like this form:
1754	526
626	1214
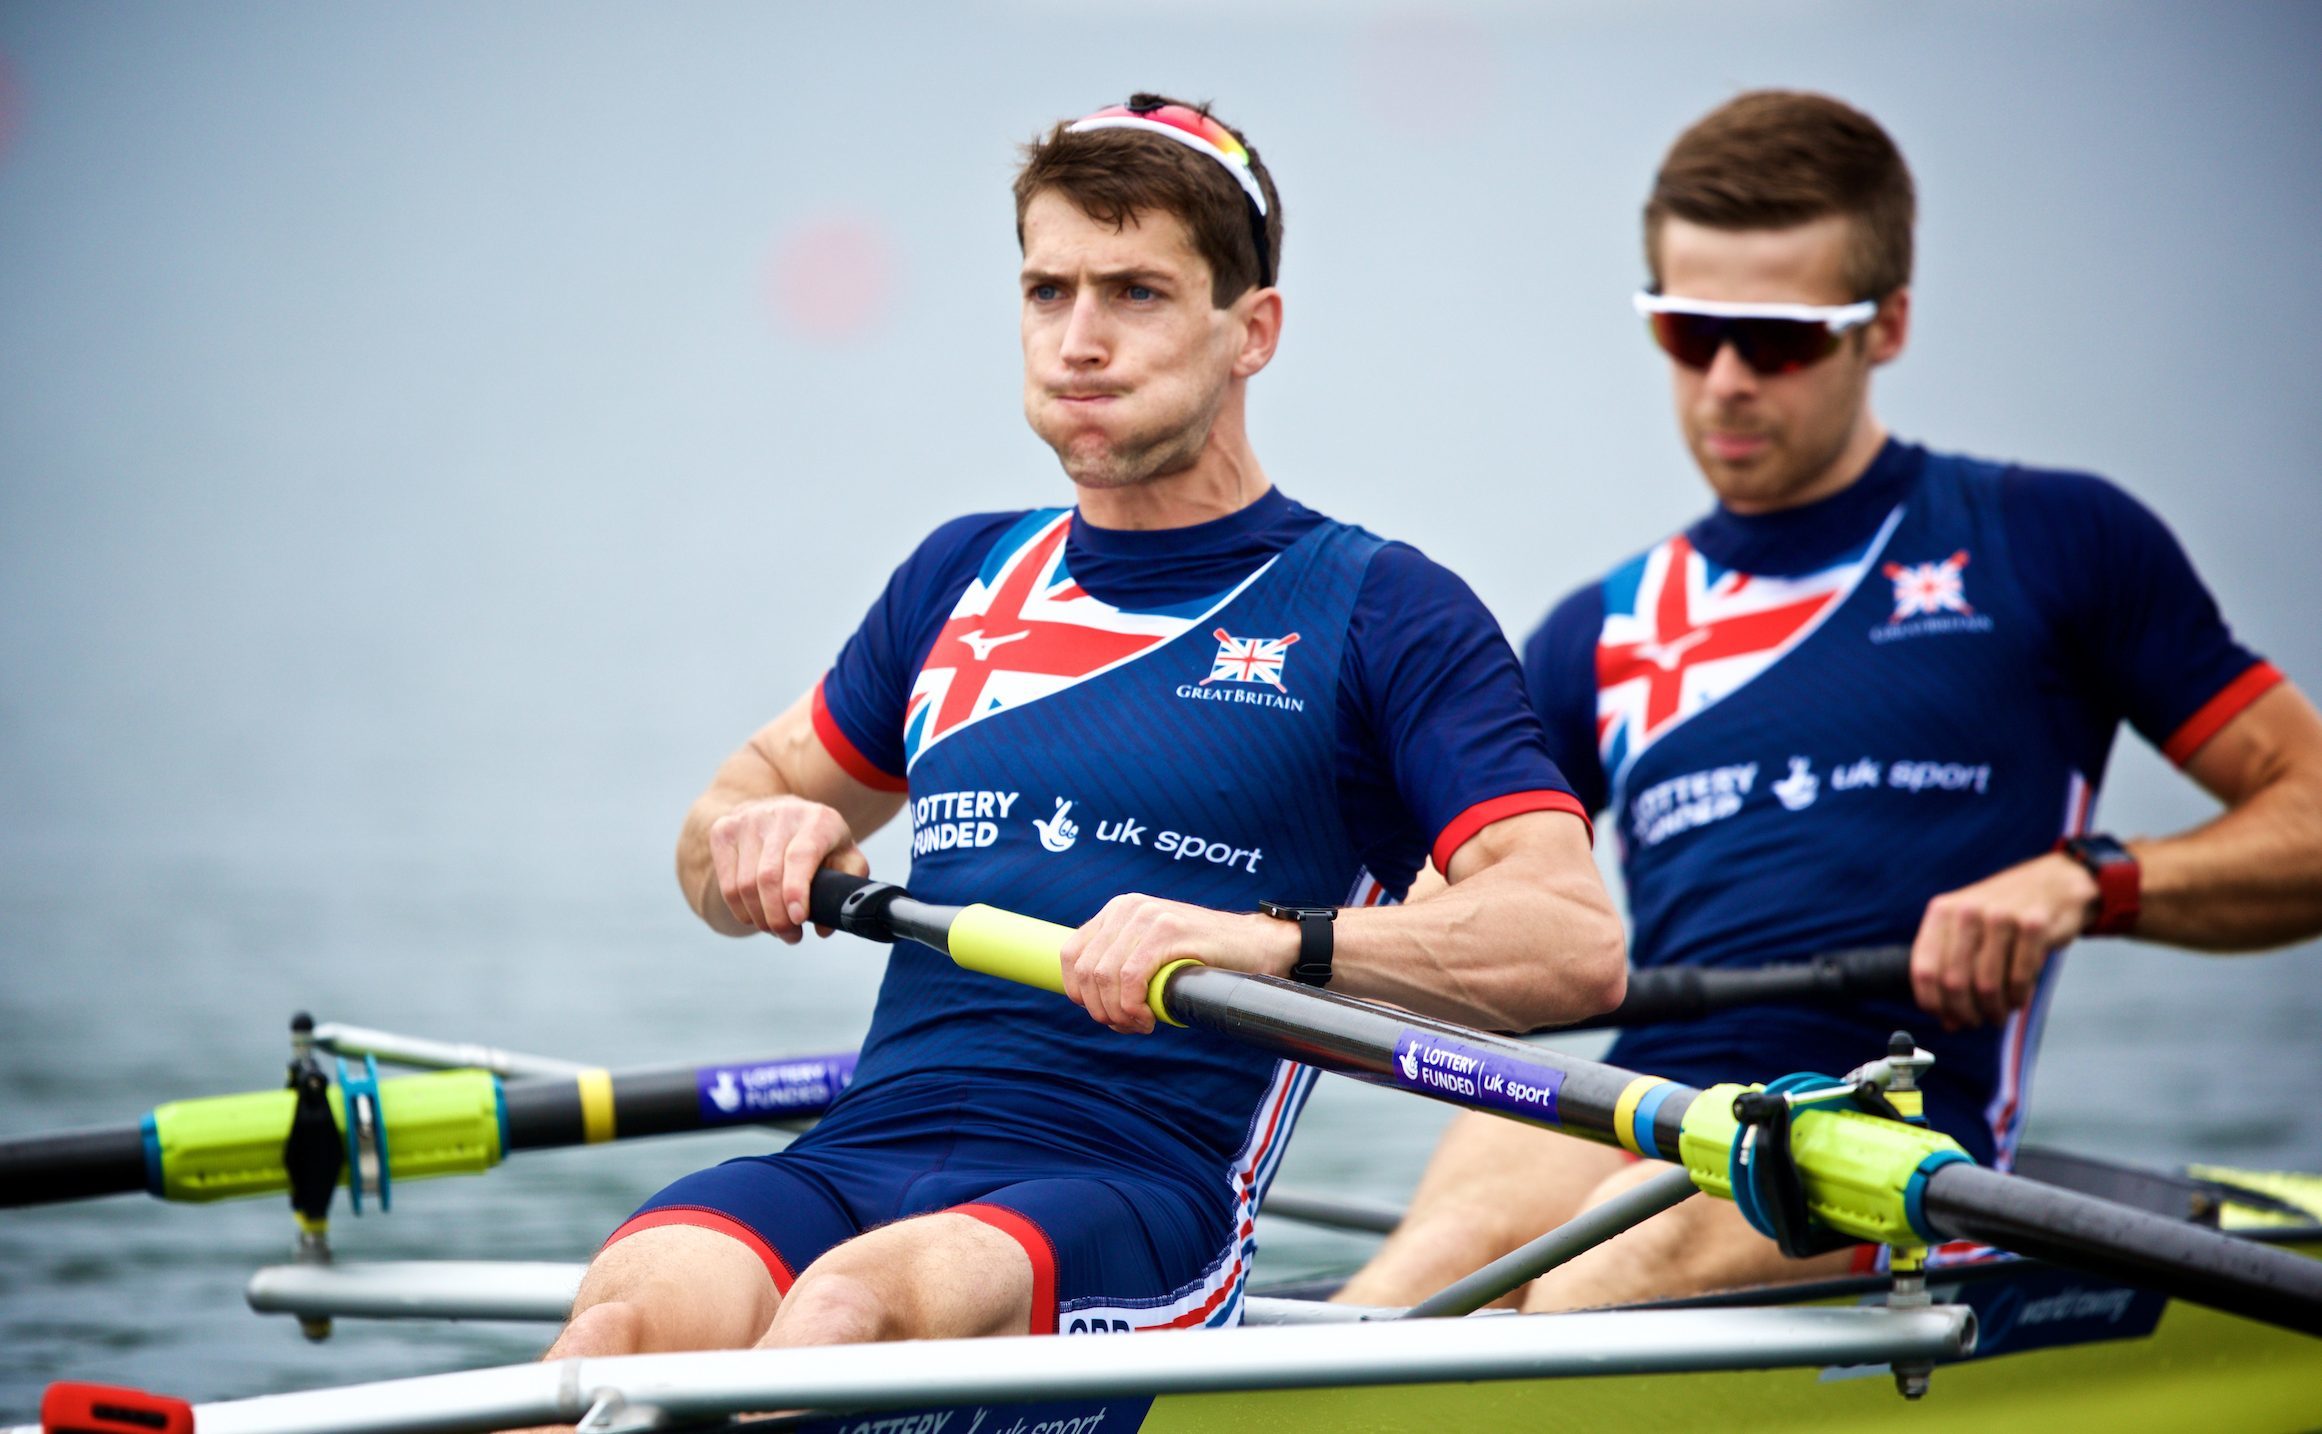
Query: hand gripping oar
1682	993
1865	1177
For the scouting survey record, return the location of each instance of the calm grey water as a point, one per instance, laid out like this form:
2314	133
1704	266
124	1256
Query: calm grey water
430	438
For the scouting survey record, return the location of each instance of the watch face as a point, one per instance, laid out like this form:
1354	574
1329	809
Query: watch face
1284	912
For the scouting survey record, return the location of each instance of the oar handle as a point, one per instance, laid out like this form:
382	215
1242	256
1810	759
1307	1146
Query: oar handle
982	938
1684	993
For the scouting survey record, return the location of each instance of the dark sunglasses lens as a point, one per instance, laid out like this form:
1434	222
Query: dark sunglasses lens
1772	346
1768	346
1691	339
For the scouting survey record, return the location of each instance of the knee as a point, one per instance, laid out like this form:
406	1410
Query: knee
607	1327
829	1307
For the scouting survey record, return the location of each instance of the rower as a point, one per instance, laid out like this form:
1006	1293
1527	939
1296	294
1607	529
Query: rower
1189	717
1867	700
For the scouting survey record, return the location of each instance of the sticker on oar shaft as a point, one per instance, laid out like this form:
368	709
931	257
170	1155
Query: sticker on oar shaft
773	1089
1437	1065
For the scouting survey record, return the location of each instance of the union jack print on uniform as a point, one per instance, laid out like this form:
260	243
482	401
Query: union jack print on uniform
1680	633
1924	589
1250	659
1025	630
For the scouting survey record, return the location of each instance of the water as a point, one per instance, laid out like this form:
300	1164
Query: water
418	466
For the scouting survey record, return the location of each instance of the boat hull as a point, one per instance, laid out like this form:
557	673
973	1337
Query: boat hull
2057	1351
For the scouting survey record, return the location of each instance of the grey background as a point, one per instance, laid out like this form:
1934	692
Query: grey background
432	436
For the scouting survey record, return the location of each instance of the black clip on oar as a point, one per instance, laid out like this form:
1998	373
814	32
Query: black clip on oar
312	1156
856	905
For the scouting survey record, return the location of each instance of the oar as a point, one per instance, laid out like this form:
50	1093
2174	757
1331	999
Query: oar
1865	1177
221	1147
458	1122
1683	993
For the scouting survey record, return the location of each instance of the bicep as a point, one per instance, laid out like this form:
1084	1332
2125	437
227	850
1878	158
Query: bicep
2277	735
1554	844
786	757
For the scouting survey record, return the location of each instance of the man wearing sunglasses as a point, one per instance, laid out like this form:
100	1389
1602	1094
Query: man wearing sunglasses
1189	716
1866	701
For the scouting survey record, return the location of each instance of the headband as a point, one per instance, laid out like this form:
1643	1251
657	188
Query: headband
1204	135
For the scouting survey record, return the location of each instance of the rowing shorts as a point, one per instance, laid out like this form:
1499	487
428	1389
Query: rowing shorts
1116	1242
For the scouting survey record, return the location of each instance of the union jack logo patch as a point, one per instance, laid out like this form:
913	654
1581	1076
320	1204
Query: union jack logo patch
1925	589
1250	659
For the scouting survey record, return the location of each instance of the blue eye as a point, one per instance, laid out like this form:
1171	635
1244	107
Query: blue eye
1139	294
1046	293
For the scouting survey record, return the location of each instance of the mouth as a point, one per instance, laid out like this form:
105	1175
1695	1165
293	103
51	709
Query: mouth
1732	447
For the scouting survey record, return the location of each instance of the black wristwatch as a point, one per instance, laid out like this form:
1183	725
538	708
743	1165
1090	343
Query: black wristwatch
1314	939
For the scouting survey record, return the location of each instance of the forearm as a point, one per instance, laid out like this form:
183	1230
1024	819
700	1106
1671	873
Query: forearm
1528	939
784	759
2250	879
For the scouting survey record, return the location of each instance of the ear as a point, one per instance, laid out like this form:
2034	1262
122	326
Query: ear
1891	329
1257	314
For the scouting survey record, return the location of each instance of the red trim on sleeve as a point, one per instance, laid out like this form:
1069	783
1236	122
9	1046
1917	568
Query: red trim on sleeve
844	752
1483	814
1037	1248
706	1219
2219	710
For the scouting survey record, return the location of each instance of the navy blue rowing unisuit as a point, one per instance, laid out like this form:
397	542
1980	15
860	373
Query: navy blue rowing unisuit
1807	724
1270	705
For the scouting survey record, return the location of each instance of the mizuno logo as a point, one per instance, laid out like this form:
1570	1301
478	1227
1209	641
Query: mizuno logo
982	646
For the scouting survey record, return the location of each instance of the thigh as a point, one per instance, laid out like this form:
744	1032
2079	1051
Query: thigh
1492	1185
944	1275
781	1208
1701	1245
1112	1254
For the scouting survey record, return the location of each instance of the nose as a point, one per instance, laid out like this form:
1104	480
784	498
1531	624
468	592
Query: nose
1086	342
1728	376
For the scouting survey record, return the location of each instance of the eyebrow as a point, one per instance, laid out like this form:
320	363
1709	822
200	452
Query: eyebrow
1105	276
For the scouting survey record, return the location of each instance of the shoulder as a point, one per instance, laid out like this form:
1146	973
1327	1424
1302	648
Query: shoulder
2063	516
954	551
1395	570
2043	497
973	533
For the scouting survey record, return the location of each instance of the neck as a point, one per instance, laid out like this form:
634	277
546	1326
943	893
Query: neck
1223	478
1854	459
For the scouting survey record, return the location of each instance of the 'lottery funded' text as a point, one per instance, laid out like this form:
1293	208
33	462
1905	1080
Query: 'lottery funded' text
1437	1065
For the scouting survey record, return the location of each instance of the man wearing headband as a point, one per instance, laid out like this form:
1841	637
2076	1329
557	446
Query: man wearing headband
1146	716
1867	700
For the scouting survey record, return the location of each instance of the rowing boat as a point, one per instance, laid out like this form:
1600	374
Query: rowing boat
2138	1311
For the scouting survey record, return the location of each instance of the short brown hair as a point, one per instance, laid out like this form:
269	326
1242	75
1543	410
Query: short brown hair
1773	159
1114	175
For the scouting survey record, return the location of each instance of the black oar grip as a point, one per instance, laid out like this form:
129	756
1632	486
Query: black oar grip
854	904
1684	993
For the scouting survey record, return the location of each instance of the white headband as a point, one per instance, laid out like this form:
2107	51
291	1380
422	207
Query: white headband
1234	167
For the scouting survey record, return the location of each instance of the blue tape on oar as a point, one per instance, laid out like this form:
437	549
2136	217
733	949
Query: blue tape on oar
1915	1192
152	1135
1648	1107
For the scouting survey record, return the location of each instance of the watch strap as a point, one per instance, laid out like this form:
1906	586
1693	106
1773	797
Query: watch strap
2119	881
1317	939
